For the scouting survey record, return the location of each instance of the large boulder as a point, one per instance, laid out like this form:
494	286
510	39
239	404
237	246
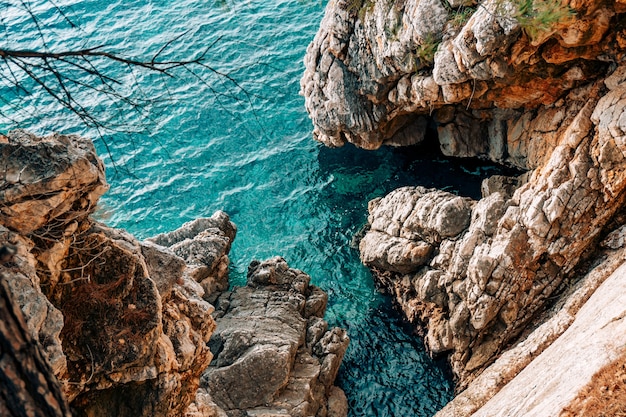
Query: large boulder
274	354
122	323
51	181
378	72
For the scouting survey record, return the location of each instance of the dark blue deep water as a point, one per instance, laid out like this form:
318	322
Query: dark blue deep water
235	136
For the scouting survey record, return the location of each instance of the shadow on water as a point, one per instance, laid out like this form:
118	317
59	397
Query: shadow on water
386	371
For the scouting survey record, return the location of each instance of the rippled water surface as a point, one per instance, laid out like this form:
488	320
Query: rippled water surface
242	143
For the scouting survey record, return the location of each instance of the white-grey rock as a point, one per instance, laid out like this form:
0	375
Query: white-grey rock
475	58
270	332
504	262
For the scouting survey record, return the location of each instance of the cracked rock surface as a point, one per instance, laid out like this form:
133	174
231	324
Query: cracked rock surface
546	99
377	72
274	353
125	324
492	264
122	324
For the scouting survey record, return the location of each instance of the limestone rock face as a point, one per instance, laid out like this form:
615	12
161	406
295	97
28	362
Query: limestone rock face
132	349
408	224
274	354
482	280
498	85
204	245
57	179
377	71
545	370
600	319
125	324
119	343
49	186
44	320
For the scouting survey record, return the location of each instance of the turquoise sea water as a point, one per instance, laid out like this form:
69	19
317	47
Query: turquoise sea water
241	143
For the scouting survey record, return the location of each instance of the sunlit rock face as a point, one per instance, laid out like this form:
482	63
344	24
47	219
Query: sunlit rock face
377	72
545	97
477	271
56	179
48	188
274	353
126	324
123	323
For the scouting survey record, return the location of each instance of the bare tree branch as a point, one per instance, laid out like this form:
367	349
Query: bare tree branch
102	98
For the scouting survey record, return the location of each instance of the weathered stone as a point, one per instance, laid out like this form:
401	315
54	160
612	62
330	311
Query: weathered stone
203	406
289	362
499	184
316	302
439	336
125	324
428	289
356	82
204	245
544	371
164	267
616	239
56	179
148	349
497	87
407	223
518	246
121	322
337	403
391	253
44	320
417	213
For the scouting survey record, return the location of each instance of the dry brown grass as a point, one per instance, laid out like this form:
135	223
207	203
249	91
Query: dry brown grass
604	396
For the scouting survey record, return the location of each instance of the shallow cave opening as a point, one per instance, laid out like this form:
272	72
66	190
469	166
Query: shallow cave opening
369	174
425	164
387	366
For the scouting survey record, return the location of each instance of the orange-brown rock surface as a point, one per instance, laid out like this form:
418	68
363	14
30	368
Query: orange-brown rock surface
121	322
126	324
377	72
498	82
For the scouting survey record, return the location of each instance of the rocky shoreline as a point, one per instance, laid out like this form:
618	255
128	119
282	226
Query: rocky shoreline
477	276
521	289
129	327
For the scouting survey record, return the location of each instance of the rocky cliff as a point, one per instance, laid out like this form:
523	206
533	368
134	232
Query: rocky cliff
126	324
378	72
535	85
